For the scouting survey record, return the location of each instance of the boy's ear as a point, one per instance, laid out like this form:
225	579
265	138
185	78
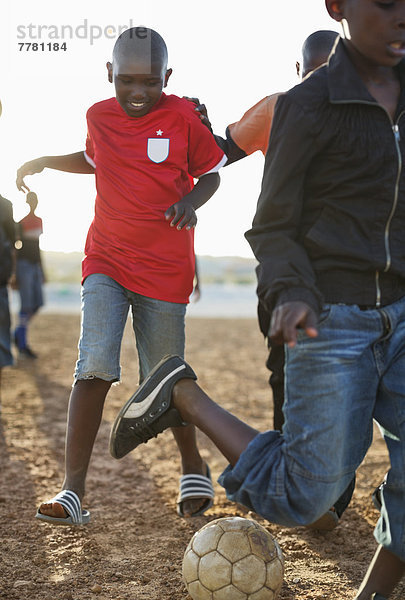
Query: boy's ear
110	72
167	76
335	9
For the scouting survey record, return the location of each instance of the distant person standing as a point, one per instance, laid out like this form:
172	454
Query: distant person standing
7	238
29	272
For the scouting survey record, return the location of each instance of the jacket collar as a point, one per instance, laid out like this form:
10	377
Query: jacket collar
345	84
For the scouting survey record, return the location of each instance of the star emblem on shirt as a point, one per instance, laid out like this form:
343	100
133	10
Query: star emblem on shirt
159	132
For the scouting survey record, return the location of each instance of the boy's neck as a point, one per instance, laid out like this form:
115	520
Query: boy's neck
386	94
369	71
381	81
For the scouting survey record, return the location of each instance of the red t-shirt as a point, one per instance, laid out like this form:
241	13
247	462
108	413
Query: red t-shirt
29	232
143	166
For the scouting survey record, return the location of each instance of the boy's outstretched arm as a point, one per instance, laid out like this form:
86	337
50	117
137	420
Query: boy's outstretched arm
71	163
182	213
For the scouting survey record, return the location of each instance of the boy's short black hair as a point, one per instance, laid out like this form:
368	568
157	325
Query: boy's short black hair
319	42
143	42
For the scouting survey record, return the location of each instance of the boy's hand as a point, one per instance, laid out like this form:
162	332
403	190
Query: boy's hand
201	109
289	317
29	168
181	214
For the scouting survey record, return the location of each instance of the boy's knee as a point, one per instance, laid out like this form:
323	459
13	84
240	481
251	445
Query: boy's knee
319	498
291	510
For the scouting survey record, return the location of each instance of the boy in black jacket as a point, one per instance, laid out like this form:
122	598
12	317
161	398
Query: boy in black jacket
329	238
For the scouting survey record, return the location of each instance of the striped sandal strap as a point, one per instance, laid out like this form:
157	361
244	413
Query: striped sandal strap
195	486
71	503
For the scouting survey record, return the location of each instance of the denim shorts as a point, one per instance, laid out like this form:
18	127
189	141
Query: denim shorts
29	279
335	385
159	329
6	358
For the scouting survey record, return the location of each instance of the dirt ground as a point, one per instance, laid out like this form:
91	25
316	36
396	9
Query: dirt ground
132	549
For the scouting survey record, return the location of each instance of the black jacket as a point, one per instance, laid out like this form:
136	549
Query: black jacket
7	239
330	220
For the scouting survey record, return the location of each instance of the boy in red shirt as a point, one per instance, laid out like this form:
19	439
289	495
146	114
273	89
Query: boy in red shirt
145	148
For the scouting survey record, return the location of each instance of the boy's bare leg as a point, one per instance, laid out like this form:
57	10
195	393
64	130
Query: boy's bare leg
229	434
384	572
84	416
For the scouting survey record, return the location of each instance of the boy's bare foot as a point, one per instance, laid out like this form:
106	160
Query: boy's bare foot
53	509
63	509
192	506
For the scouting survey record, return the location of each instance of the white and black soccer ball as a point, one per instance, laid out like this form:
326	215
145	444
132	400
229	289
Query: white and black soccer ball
233	559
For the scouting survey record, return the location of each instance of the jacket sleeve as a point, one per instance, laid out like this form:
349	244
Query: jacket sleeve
232	150
284	271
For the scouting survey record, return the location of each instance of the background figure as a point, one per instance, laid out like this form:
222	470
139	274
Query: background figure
29	272
251	134
7	238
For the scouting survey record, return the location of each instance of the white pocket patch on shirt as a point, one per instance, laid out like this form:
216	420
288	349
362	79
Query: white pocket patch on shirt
158	149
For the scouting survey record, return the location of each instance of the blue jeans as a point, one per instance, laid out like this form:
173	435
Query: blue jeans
335	384
6	358
159	329
29	279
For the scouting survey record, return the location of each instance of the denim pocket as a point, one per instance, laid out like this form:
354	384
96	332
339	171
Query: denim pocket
326	312
325	315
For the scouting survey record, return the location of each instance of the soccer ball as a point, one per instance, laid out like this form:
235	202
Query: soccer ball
233	559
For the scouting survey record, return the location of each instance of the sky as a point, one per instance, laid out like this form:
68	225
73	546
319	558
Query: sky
228	54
